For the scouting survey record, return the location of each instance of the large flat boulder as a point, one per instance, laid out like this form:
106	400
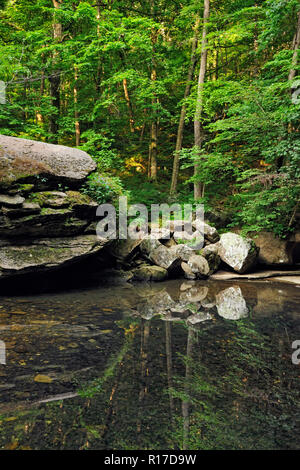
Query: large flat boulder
22	159
44	254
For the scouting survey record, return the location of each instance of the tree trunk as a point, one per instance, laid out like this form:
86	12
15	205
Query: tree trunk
55	78
296	45
127	98
126	94
198	128
183	110
76	113
152	168
99	66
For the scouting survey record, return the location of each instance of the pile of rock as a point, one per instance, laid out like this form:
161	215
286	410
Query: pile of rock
158	256
46	223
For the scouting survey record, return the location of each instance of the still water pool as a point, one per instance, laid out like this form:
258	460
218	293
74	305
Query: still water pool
175	365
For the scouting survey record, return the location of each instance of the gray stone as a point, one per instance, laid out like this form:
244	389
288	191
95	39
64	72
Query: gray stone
163	257
150	273
210	233
212	258
199	266
149	244
188	272
238	252
11	201
123	250
184	252
21	158
160	233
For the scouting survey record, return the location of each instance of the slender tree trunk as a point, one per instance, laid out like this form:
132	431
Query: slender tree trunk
152	163
255	45
296	45
39	116
55	78
183	110
152	172
292	74
198	128
76	113
128	101
99	66
126	94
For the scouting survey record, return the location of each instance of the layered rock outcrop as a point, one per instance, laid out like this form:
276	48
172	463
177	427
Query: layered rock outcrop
45	221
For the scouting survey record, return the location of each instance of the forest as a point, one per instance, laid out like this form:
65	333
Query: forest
176	100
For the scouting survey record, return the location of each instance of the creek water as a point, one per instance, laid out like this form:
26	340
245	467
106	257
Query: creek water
173	365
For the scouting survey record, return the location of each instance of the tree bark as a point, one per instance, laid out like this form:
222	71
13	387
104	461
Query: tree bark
152	166
183	110
198	128
126	94
55	78
76	113
127	98
296	45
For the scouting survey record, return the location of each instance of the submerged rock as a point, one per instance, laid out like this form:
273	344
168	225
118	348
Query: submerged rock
238	252
199	318
194	294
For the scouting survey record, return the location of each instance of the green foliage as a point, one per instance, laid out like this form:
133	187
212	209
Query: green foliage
100	148
123	68
103	188
266	202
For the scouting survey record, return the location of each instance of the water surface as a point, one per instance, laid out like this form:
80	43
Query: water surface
174	365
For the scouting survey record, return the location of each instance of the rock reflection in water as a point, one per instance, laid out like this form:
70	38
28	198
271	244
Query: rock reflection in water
196	304
231	304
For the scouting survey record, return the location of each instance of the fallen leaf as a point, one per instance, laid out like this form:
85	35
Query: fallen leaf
44	379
